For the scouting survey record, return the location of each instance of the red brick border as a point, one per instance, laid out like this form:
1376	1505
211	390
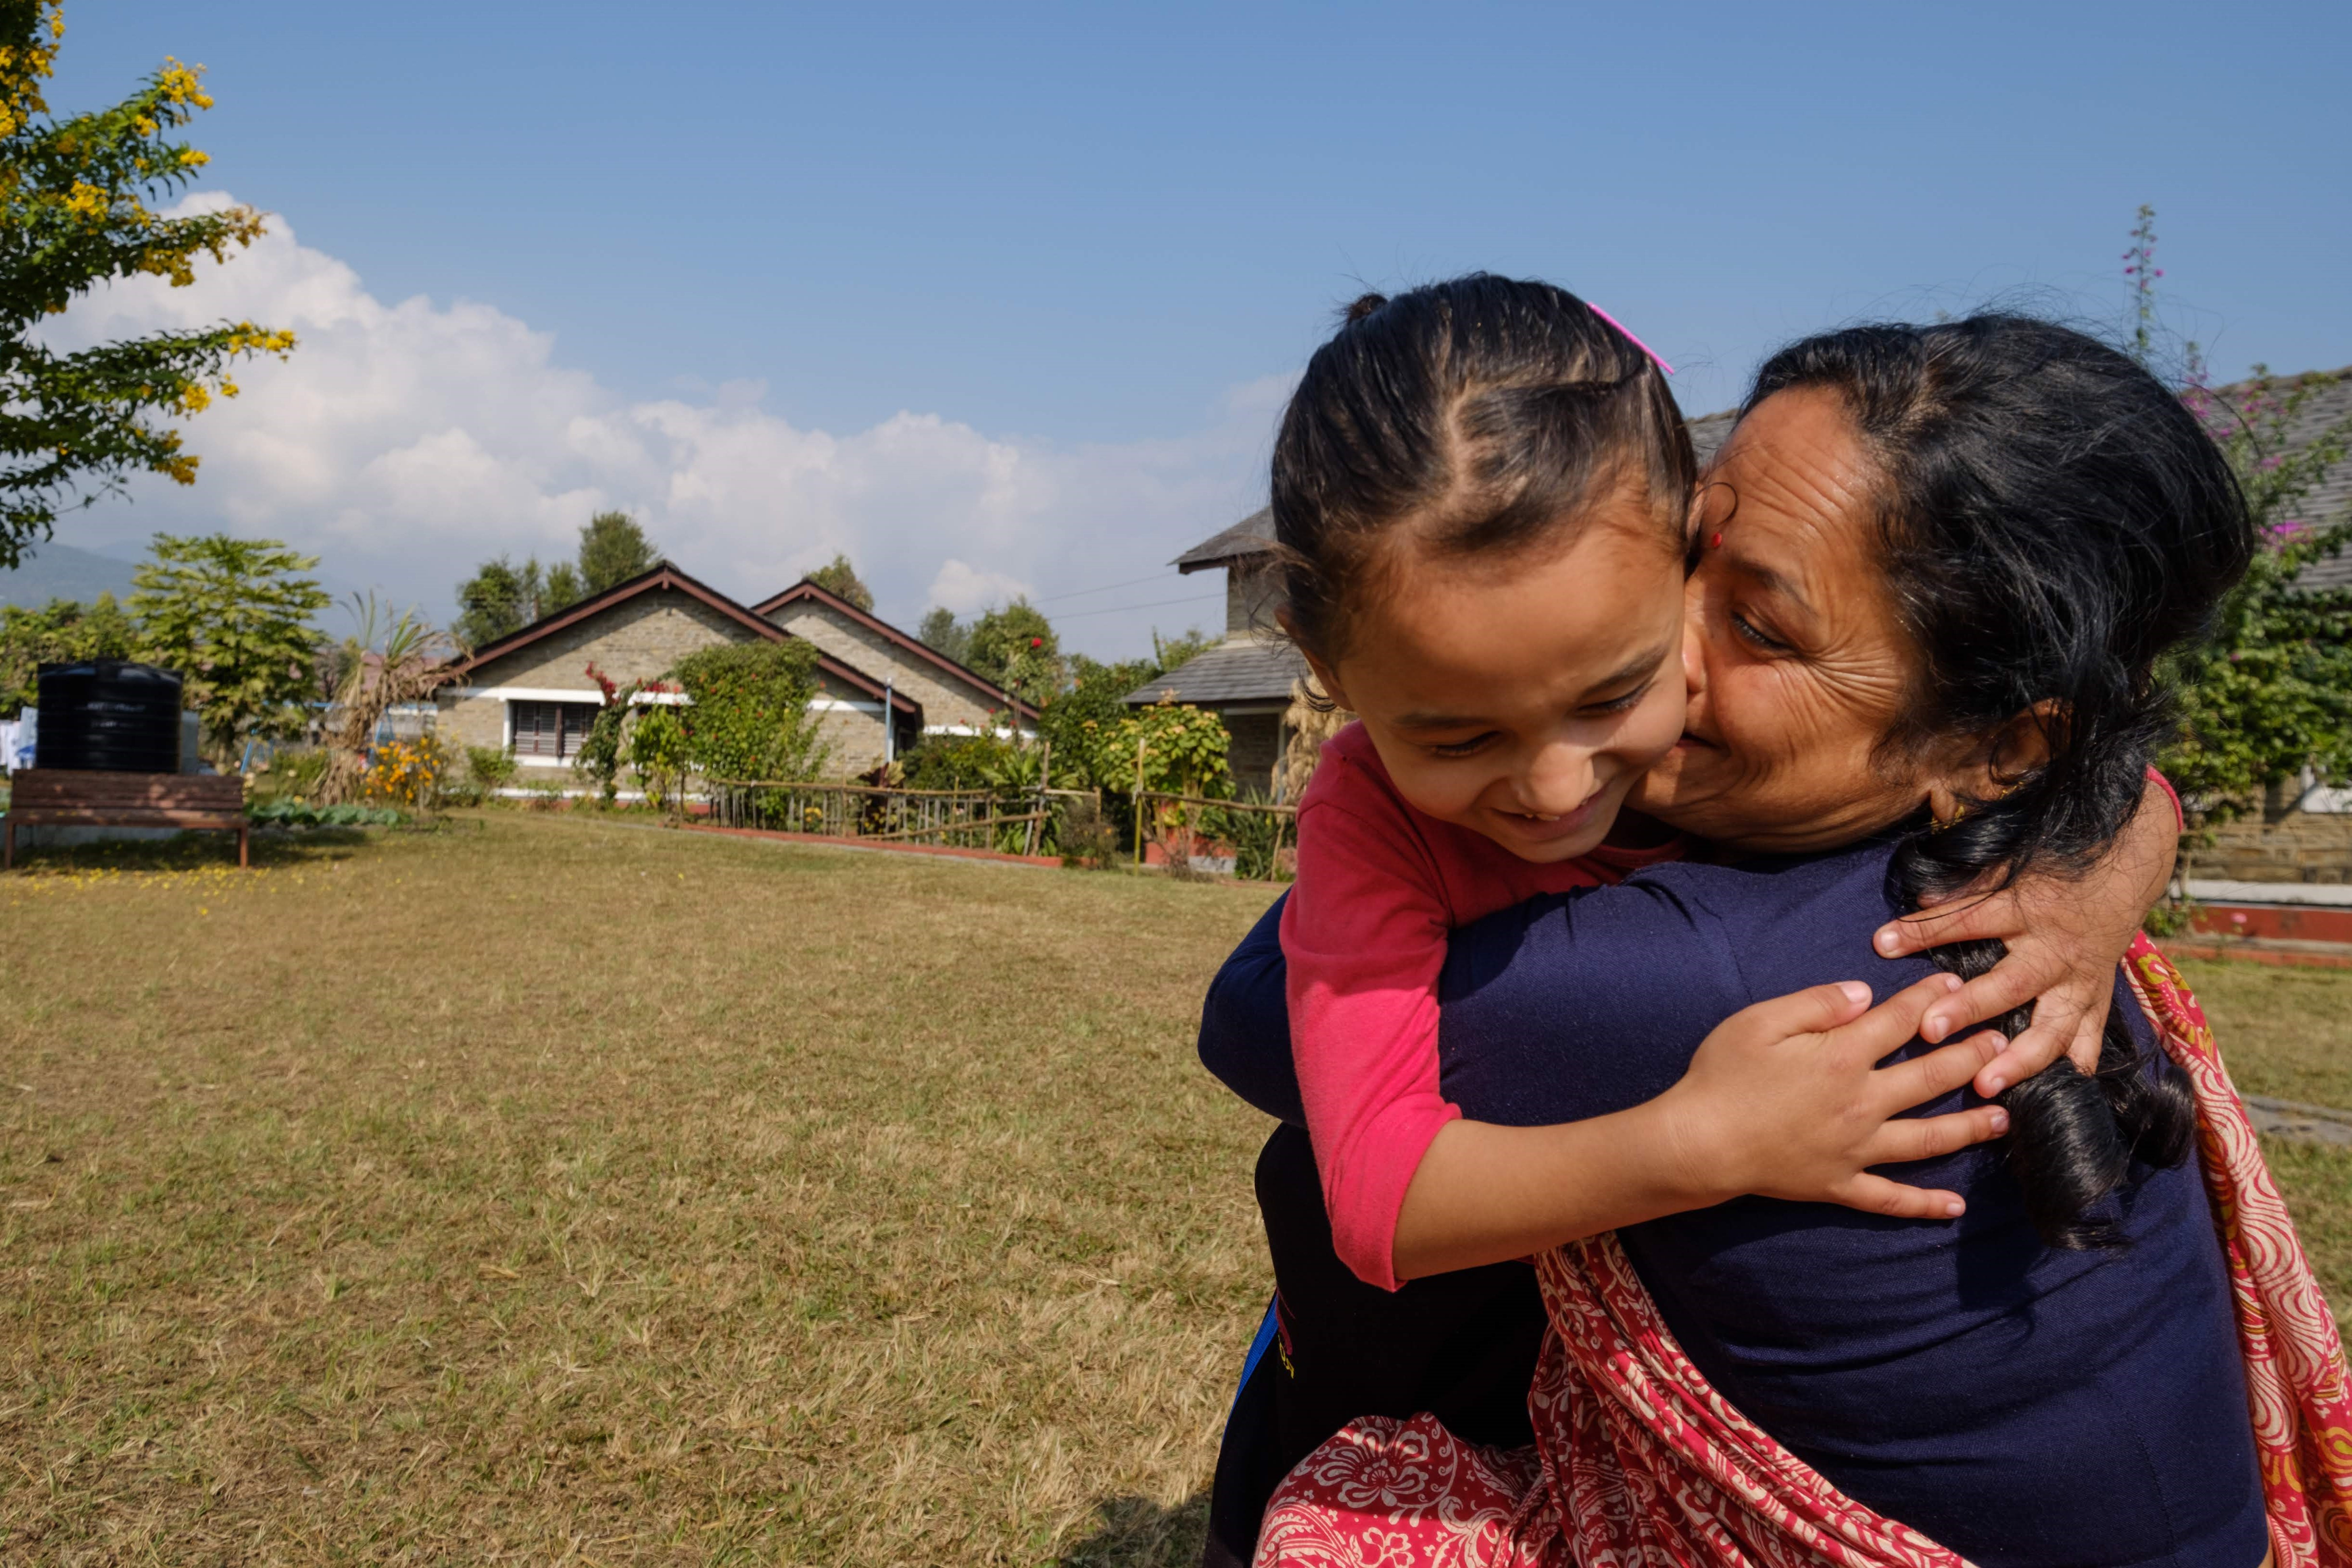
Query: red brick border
2246	952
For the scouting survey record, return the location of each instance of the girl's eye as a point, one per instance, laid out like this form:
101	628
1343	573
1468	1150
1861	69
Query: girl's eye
1469	747
1626	703
1747	632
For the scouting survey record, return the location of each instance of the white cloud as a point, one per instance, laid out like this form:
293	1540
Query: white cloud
405	443
964	588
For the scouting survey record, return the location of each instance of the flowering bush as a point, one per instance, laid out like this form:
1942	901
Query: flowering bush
405	774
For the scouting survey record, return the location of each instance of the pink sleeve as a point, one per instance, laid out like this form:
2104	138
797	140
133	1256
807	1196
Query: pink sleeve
2180	817
1364	937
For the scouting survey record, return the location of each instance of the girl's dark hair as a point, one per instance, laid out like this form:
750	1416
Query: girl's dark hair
2052	520
1486	411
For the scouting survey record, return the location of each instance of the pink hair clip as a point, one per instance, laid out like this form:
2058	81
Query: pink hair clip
1656	357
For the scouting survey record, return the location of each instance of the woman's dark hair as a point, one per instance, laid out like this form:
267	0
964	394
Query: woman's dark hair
1486	411
2053	519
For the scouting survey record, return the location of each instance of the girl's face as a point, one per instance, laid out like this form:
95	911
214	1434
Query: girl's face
1522	699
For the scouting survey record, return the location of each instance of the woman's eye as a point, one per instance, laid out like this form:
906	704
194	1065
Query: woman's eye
1747	632
1471	747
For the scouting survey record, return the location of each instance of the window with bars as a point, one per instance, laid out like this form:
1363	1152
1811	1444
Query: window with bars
550	728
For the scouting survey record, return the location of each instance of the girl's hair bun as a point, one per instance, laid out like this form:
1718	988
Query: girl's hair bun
1365	305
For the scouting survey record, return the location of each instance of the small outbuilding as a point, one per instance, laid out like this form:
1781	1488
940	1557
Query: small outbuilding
1245	678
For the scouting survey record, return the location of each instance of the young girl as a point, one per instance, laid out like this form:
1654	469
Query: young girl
1483	491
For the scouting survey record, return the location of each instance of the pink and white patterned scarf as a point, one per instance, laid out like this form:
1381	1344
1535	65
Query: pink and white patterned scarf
1640	1463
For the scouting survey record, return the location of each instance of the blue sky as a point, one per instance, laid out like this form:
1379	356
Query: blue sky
923	249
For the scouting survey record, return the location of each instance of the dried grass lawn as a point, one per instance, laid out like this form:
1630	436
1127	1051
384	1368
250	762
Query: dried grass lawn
549	1189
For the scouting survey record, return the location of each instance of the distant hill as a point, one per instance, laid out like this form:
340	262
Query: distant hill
56	571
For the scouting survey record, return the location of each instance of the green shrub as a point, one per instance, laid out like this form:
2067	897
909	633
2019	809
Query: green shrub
1088	839
492	767
1255	837
289	775
284	813
750	716
657	750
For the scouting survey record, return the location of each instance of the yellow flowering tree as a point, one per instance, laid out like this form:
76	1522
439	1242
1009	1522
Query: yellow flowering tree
76	209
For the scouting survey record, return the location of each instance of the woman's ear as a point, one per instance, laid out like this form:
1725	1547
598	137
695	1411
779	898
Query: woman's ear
2025	743
1999	762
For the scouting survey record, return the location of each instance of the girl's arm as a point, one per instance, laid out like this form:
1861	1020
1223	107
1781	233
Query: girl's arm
1784	1099
2065	935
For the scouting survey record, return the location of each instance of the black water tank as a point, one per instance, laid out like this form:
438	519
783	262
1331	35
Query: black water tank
105	715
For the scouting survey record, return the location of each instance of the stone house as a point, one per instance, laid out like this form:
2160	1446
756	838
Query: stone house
1245	678
954	700
530	691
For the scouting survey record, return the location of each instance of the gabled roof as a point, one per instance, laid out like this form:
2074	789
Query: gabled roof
1253	535
667	577
1238	669
2330	500
817	593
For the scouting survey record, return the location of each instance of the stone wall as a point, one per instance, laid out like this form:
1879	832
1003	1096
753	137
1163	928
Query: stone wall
1255	748
946	699
852	734
470	718
2302	846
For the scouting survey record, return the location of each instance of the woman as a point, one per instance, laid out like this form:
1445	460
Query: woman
1938	568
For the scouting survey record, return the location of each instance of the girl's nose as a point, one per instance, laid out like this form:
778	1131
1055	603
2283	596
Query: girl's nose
1557	782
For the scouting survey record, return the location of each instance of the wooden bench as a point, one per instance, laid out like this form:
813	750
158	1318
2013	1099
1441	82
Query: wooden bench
67	797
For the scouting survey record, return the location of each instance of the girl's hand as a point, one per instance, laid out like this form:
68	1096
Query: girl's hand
2065	936
1786	1098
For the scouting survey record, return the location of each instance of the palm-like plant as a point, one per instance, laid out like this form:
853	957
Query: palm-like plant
393	658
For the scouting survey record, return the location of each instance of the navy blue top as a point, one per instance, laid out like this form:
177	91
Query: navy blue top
2021	1404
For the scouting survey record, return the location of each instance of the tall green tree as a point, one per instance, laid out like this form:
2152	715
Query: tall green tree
562	588
1014	646
839	578
76	209
60	632
939	631
614	549
234	617
501	597
489	603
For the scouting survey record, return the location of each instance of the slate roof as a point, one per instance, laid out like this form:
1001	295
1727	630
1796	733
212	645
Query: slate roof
2331	499
1242	668
1250	536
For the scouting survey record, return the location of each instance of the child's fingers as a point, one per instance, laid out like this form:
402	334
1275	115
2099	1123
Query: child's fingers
1815	1010
1933	1075
1927	1137
1887	1026
1876	1195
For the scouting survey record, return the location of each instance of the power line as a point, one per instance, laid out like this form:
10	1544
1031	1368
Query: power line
1082	593
1153	604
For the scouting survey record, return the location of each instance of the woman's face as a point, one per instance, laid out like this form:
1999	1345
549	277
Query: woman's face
1797	664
